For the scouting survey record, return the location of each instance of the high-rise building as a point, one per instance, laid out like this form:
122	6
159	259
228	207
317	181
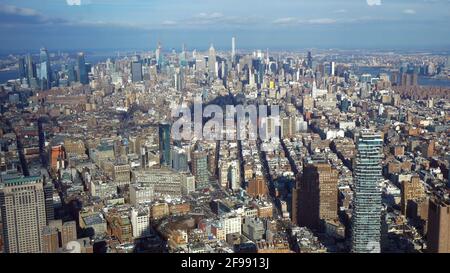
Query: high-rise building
44	70
412	190
159	56
179	79
82	73
309	61
68	232
31	69
22	68
164	144
332	68
199	161
233	49
49	208
438	230
317	194
179	159
136	71
71	74
366	218
50	240
212	61
22	205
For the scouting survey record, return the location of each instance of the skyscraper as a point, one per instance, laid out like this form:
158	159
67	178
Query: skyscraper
317	194
332	68
22	68
233	49
22	205
31	73
438	231
366	218
309	61
212	61
82	73
44	70
199	161
159	56
179	159
164	144
136	71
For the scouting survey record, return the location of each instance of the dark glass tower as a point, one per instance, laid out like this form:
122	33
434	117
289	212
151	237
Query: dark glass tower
309	60
164	144
22	68
136	71
81	69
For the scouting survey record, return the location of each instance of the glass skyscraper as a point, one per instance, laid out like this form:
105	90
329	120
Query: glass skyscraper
366	218
44	69
81	69
164	144
136	71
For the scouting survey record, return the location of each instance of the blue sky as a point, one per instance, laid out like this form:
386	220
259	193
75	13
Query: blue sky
290	24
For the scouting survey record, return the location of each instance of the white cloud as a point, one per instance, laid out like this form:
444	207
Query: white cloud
322	21
409	11
169	23
374	2
286	21
18	11
73	2
294	21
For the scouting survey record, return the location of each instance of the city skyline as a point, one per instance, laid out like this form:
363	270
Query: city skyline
216	148
100	24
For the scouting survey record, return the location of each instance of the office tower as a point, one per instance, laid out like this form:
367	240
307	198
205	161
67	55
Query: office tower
309	61
438	230
178	79
82	73
22	68
366	218
159	56
68	232
183	60
50	239
136	71
22	205
412	190
179	159
332	68
317	193
31	73
199	162
71	74
164	144
44	70
233	49
48	195
212	61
